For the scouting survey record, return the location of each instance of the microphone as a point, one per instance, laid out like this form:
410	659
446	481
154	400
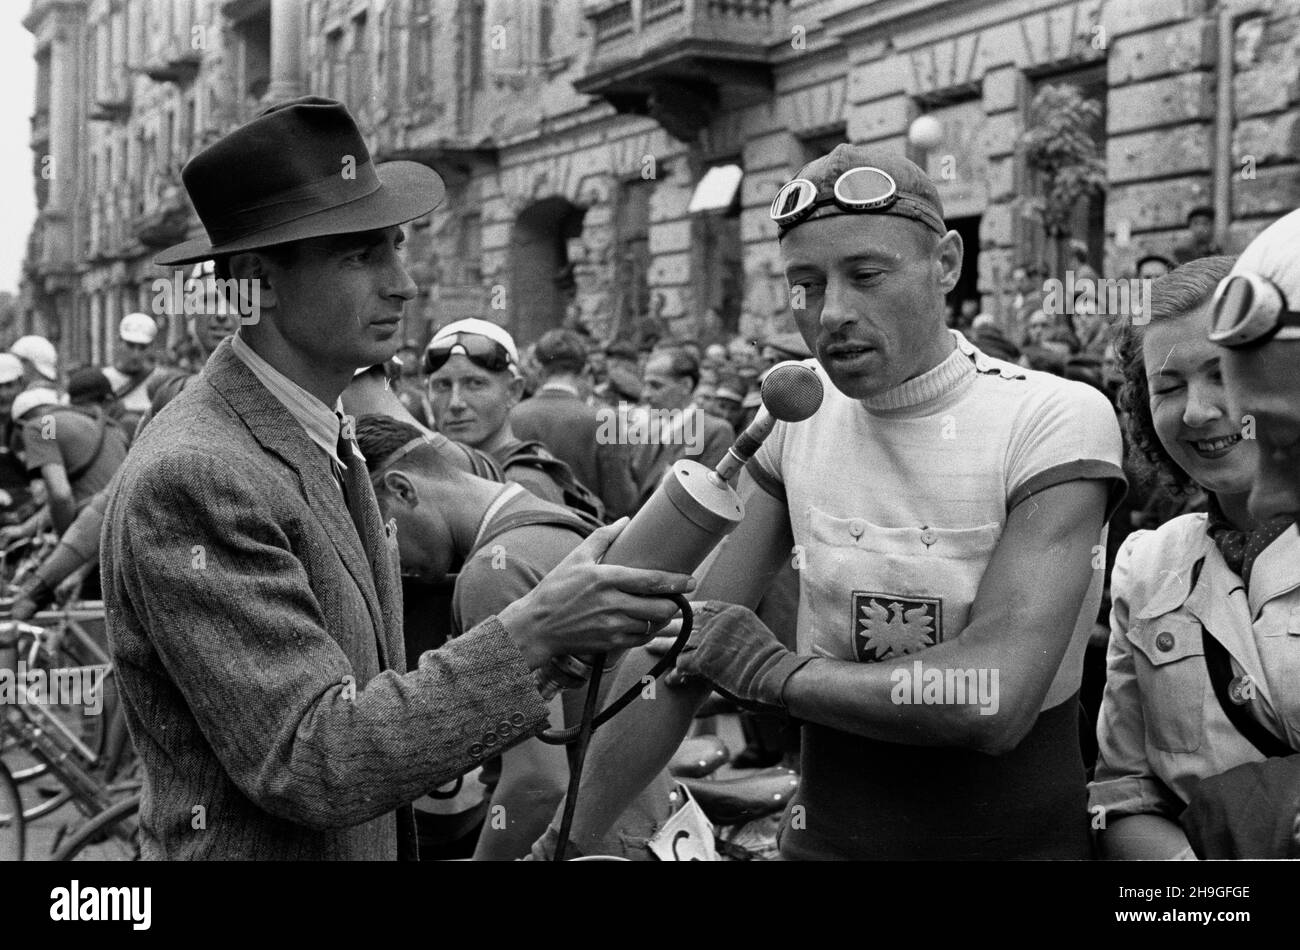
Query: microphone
695	507
791	392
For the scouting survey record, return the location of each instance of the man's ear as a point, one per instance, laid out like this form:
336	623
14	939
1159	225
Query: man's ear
948	253
399	487
516	390
249	265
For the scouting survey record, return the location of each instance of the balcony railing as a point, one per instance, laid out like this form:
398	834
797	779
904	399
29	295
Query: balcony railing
634	28
675	59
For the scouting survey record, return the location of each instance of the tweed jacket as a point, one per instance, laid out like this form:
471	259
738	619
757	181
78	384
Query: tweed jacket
257	636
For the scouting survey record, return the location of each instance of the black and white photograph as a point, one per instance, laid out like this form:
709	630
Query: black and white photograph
738	431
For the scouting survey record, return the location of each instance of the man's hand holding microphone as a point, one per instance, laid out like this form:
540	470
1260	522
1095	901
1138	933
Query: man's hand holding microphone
584	607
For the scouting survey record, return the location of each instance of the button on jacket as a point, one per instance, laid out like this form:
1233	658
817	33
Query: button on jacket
1161	728
258	643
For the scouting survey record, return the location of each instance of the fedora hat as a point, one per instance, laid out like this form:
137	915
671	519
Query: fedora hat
300	169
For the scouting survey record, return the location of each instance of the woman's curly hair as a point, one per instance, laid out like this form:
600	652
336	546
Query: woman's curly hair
1176	294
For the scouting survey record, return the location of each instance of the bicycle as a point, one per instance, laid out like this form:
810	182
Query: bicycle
87	750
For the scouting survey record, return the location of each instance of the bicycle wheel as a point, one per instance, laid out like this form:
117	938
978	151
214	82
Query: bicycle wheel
85	717
12	826
112	835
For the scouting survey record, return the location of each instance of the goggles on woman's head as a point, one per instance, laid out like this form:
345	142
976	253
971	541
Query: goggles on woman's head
859	189
479	350
1250	310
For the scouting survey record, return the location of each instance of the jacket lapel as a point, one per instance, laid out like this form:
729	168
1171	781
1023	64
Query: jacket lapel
280	434
1219	602
1274	573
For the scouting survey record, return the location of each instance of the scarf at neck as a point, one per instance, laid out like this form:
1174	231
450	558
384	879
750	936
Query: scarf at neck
1241	548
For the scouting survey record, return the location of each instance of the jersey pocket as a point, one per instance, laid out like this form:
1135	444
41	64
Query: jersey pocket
871	593
1169	658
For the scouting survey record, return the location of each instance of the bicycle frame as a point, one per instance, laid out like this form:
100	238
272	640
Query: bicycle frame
50	741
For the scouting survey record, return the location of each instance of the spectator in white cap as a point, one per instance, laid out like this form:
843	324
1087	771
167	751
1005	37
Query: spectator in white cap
474	382
40	360
13	477
130	373
76	451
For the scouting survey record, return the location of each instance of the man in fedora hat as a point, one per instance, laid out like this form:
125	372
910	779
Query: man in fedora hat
252	592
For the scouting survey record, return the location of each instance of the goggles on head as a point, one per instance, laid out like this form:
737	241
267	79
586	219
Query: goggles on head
393	458
1250	310
862	189
478	349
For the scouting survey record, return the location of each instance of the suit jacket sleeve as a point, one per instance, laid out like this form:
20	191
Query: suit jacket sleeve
618	489
211	574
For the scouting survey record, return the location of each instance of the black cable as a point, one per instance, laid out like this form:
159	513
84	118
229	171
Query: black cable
668	660
580	735
585	728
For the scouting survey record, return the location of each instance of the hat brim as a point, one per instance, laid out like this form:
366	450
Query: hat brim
407	190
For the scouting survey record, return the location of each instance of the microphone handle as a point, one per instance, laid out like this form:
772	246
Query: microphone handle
746	444
686	517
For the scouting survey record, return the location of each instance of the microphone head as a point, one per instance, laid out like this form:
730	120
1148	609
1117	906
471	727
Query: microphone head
792	391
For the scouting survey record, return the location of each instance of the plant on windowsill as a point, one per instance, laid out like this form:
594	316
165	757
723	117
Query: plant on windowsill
1060	147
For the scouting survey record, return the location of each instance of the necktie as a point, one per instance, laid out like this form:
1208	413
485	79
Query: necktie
359	497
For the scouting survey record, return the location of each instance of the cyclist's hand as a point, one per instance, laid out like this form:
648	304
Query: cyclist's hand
6	499
11	534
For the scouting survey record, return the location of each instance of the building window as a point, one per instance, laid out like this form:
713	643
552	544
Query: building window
421	55
545	27
253	39
1087	222
359	65
469	249
717	267
632	256
335	79
475	39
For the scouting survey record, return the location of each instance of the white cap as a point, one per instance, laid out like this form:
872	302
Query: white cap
481	328
11	368
40	352
138	328
25	402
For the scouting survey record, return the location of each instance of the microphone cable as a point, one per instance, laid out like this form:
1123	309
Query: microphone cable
579	736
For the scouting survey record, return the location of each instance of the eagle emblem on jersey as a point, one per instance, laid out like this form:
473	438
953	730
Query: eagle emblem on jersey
887	626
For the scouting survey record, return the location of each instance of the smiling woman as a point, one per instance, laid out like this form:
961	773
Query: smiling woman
1203	601
1179	302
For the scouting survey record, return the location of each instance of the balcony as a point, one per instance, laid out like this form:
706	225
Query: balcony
178	66
167	224
113	106
674	59
456	159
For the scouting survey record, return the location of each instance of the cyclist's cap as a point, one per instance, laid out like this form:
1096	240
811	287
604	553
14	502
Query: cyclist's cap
31	399
11	368
480	328
918	198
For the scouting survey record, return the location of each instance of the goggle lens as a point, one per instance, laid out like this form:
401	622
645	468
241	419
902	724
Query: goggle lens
1233	307
793	198
865	188
481	351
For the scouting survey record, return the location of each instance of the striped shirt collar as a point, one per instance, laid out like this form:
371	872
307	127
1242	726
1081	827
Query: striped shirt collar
321	423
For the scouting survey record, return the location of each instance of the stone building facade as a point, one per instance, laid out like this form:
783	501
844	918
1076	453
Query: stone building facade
611	162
